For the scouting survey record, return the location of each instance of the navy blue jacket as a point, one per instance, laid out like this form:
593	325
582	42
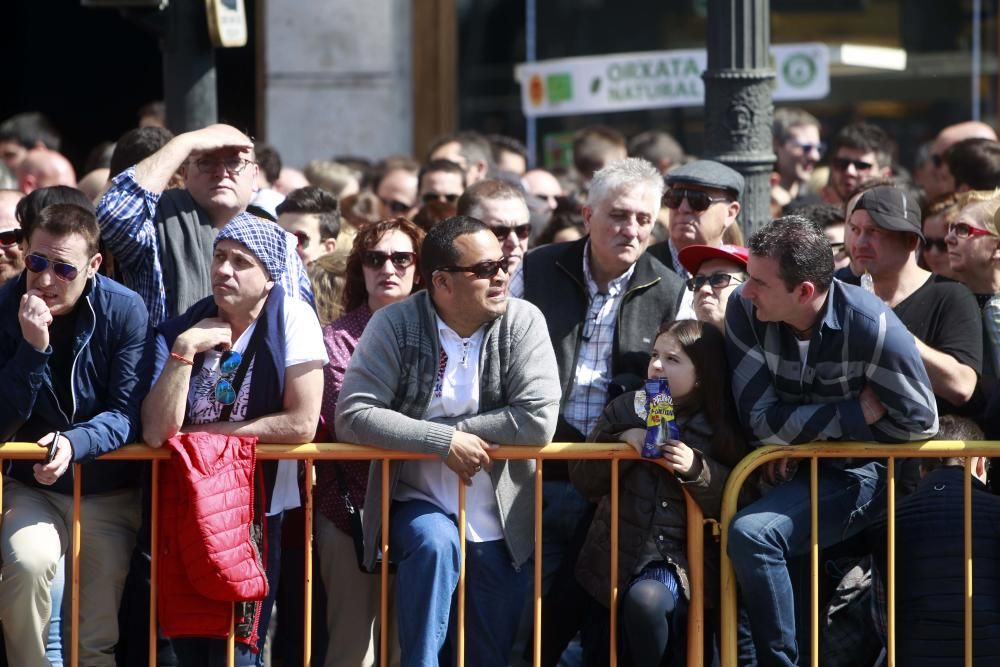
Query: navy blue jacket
930	571
110	378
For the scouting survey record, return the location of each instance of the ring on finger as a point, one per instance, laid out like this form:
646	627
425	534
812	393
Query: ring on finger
478	467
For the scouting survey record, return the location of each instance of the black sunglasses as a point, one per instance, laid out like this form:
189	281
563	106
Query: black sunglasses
396	206
63	270
503	231
935	244
842	163
487	269
715	281
376	259
698	200
11	236
428	197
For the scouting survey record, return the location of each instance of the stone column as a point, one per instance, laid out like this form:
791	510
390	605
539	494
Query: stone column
738	104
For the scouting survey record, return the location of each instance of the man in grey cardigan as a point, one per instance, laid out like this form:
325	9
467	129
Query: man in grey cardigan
454	371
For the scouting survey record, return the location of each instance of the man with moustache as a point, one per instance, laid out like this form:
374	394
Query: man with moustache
11	257
452	370
162	238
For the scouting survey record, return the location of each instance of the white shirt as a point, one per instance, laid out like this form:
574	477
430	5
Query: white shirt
455	394
303	343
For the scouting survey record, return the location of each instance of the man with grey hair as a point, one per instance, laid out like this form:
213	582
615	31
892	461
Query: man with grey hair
603	299
797	148
504	210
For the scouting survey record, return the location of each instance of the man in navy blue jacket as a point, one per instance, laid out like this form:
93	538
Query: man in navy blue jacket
72	378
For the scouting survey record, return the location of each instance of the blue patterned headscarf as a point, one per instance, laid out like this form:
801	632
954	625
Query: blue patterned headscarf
263	238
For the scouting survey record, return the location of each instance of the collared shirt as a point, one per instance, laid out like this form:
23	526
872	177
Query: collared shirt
589	391
685	311
126	213
455	394
857	342
675	256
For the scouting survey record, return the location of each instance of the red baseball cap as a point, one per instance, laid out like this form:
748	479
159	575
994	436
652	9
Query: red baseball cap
694	255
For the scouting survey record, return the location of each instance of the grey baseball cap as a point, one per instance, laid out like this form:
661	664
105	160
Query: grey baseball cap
891	208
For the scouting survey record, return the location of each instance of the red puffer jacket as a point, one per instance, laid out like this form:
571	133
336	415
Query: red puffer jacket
207	559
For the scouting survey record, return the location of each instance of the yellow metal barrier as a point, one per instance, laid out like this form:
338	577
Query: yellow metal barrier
814	452
614	452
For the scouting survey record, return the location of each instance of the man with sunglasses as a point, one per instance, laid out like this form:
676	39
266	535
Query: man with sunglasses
942	181
440	180
703	200
861	152
504	210
11	256
797	148
312	214
395	185
453	370
73	373
162	238
882	236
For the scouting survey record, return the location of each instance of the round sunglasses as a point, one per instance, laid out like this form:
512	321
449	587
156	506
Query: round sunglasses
376	259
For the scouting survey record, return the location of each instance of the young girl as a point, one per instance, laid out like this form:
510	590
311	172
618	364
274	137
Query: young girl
652	561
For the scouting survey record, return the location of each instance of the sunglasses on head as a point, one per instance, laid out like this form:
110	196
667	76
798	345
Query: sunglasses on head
11	236
963	230
698	200
225	393
396	206
63	270
486	269
935	244
842	163
376	259
428	197
503	231
715	281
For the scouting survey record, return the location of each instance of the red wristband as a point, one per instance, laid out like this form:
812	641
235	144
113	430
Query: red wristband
183	360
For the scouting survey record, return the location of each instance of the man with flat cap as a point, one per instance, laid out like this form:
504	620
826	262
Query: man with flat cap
883	236
703	198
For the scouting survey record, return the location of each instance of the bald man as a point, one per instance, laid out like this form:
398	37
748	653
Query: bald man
163	238
942	182
11	257
42	168
543	186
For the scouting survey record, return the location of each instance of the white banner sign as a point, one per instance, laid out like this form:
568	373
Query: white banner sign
656	79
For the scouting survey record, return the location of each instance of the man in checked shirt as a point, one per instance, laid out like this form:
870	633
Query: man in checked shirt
813	359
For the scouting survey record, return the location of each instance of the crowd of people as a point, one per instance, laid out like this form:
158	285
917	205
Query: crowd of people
192	292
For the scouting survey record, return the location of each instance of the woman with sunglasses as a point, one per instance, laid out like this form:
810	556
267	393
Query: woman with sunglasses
381	269
245	361
715	273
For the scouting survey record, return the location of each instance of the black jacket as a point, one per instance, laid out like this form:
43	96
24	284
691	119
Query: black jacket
554	281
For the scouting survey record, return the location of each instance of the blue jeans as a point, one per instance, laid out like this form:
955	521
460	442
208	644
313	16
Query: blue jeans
765	534
205	652
423	542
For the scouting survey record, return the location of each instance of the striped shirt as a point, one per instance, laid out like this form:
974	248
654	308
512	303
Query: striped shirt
589	391
126	214
857	342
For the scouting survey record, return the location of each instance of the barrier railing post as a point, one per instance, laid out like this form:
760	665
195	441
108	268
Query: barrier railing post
74	618
890	570
613	643
696	577
967	531
383	601
460	621
814	558
154	505
536	635
308	574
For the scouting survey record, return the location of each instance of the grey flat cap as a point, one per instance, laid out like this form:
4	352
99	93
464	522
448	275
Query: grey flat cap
708	173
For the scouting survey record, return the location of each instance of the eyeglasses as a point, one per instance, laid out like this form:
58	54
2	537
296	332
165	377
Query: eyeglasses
809	148
836	247
225	393
842	163
487	269
428	197
11	236
698	200
503	231
395	206
963	230
715	281
936	244
63	270
376	259
234	165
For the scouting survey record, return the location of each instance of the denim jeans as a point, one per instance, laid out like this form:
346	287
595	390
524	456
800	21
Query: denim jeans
206	652
423	541
765	534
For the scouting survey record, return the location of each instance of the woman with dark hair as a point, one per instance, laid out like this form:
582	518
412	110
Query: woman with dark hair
652	563
381	269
